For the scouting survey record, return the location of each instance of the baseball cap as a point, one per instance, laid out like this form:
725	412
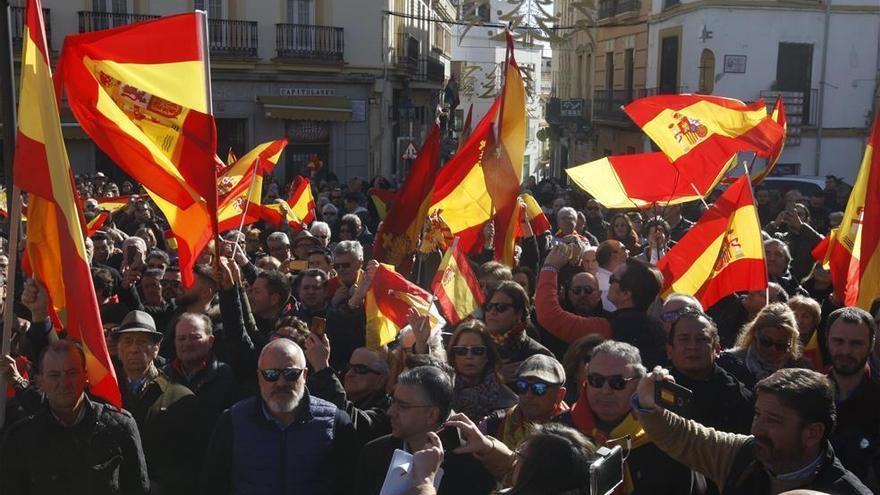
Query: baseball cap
544	368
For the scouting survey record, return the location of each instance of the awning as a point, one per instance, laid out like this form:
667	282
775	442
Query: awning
323	108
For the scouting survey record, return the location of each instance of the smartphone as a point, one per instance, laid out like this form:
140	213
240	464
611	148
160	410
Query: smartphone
130	255
318	326
672	396
606	472
299	265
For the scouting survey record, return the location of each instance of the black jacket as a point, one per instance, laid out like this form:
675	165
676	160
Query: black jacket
721	402
463	474
748	477
369	416
642	331
856	439
101	454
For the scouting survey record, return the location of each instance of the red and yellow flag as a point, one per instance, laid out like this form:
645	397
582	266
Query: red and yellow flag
466	128
627	181
778	116
722	253
299	209
55	245
853	249
96	223
139	91
532	213
503	166
383	200
398	236
116	203
455	286
245	177
389	297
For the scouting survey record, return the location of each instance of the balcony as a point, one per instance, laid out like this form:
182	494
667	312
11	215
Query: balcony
16	21
607	104
406	55
610	8
800	111
431	70
233	39
95	21
295	42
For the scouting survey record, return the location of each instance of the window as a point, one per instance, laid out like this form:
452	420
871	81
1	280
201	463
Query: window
707	72
794	68
628	69
609	71
300	11
115	6
213	7
668	65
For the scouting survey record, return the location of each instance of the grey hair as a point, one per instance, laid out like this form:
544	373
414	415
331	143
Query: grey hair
319	226
279	237
782	246
330	206
566	209
349	247
627	352
690	301
135	240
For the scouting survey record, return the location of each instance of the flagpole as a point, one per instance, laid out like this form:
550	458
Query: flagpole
247	202
700	195
758	221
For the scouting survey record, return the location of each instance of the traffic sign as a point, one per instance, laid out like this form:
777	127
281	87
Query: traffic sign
410	153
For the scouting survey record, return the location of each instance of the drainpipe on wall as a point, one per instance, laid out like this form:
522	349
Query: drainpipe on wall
821	102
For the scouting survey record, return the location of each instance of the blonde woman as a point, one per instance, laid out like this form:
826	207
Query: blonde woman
768	343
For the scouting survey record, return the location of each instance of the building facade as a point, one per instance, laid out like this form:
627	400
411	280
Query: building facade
343	80
821	58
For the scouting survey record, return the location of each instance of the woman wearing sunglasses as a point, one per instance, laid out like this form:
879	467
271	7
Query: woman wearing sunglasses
478	387
766	344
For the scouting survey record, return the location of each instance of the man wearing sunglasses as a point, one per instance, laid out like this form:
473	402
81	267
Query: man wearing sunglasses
540	386
603	414
284	440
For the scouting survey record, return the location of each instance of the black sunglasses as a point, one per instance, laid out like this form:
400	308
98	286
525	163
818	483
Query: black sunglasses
463	350
539	389
362	369
289	374
497	307
779	346
616	382
581	290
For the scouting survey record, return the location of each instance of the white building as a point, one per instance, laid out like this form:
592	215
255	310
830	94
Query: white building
478	63
747	51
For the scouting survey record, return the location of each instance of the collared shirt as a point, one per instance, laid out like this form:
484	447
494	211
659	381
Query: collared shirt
79	416
804	472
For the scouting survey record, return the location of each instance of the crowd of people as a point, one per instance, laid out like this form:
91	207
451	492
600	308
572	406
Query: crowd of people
257	379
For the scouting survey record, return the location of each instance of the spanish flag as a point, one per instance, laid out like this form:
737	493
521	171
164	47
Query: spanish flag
777	116
853	249
389	297
722	253
55	245
532	213
503	166
398	236
240	187
299	209
455	286
116	203
383	200
709	127
139	91
634	181
96	223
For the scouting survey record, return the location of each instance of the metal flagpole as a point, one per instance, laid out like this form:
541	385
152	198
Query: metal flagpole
247	203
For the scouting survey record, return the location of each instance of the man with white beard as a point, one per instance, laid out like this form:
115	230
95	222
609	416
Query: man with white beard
284	440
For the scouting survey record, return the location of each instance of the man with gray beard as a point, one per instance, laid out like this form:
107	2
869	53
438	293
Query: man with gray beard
284	440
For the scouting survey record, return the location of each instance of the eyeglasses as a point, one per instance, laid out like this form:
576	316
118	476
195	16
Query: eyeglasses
404	406
343	266
464	350
768	343
289	374
616	382
581	290
539	389
361	369
497	307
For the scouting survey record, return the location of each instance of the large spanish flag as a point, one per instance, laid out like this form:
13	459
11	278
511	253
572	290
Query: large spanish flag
389	297
398	236
633	181
55	245
299	209
455	286
853	249
722	254
710	127
504	166
460	193
139	91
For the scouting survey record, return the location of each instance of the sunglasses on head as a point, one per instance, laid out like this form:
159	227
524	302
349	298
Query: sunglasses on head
581	290
616	382
768	343
464	350
539	389
497	307
362	369
289	374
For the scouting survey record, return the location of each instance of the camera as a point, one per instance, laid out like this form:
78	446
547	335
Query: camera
606	472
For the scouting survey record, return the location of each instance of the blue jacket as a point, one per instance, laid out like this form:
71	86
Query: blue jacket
252	454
